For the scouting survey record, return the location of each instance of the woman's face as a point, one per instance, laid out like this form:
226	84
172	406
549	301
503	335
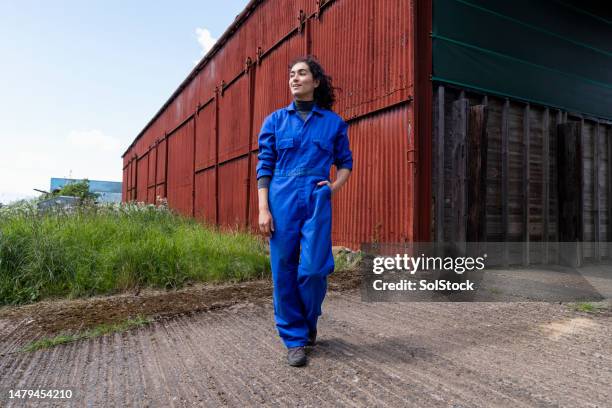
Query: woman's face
301	82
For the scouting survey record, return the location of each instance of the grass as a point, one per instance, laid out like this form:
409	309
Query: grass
347	260
98	250
588	307
95	332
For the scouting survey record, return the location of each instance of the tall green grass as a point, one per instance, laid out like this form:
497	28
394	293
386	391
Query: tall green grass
108	249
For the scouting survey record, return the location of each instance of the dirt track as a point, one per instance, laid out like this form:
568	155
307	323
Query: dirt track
370	354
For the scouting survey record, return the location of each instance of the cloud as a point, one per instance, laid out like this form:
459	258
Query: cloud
93	139
29	161
205	39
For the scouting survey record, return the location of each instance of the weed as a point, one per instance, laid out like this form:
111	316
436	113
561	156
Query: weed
95	332
586	307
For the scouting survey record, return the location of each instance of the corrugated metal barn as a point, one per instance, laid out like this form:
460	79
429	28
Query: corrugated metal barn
414	75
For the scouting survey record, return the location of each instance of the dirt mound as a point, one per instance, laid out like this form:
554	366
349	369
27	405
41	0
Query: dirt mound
55	316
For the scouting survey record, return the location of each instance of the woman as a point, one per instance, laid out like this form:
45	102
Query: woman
297	146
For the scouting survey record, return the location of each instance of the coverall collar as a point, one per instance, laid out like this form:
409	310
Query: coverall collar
315	108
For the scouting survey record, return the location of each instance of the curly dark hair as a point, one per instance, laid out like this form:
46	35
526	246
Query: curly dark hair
324	94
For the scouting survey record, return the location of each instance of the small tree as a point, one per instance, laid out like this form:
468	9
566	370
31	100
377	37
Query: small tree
79	189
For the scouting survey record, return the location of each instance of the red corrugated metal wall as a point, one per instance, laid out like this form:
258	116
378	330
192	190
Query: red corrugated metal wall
200	151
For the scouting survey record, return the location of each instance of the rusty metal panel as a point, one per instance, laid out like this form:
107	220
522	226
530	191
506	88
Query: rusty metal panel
253	199
151	165
205	199
209	78
205	137
133	184
265	26
272	82
375	204
364	45
161	161
141	181
275	18
232	193
180	169
124	184
233	120
187	101
159	191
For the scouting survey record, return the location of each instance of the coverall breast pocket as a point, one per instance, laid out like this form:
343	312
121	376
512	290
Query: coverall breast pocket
324	144
285	143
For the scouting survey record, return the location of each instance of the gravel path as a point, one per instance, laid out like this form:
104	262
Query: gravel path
369	354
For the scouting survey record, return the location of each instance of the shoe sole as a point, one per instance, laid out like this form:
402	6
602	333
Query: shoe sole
298	364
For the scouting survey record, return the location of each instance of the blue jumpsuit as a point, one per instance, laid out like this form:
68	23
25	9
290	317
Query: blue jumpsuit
297	154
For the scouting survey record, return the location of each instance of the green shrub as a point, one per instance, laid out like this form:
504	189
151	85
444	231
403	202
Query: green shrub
103	249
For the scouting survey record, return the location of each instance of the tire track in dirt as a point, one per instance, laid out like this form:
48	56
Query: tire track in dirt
175	329
277	354
166	383
429	356
347	366
232	343
477	358
202	360
453	386
552	372
143	362
229	338
373	354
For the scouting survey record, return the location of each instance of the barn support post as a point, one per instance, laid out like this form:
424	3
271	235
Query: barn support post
545	184
526	175
504	180
581	202
476	228
570	192
596	214
166	167
193	167
251	72
155	172
459	163
217	218
439	164
609	143
422	63
560	120
148	170
135	178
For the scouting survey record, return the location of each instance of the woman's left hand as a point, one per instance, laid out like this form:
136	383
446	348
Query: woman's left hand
331	185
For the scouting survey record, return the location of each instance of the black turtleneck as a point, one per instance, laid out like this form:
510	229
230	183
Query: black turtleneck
303	108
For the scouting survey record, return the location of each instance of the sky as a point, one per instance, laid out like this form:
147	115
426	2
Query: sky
80	79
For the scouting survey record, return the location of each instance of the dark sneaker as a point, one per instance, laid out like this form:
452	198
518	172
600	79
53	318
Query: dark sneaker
312	338
296	356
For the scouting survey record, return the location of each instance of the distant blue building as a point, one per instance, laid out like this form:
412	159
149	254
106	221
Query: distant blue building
108	191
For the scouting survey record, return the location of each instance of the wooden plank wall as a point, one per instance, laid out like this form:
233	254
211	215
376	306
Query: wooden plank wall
520	174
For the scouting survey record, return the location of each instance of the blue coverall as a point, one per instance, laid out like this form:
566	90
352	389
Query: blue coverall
298	154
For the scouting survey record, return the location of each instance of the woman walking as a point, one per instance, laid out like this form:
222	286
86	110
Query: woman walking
297	146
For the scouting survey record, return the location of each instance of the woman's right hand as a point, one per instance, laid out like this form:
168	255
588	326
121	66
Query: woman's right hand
266	223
